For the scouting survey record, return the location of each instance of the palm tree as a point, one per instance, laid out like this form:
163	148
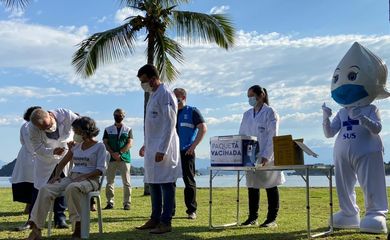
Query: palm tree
160	16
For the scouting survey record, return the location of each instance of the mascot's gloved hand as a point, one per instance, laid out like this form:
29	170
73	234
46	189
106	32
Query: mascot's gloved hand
373	126
326	112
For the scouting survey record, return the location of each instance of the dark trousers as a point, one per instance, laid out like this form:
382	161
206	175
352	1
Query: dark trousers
188	169
162	197
273	202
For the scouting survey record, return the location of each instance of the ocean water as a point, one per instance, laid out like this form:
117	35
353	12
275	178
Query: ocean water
222	181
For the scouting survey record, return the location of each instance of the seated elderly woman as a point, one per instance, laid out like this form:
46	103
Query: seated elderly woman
89	159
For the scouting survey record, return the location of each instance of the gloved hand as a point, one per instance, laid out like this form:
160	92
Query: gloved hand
326	112
355	113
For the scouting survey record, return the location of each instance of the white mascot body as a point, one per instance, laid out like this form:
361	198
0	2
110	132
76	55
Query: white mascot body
358	80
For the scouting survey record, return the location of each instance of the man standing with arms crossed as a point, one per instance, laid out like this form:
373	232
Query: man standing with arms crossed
191	128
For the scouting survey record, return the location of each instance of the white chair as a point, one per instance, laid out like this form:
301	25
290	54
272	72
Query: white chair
85	212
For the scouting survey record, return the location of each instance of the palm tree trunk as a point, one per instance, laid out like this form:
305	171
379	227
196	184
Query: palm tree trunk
151	37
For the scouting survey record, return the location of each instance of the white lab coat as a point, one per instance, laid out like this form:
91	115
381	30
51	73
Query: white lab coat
23	170
161	136
43	146
263	125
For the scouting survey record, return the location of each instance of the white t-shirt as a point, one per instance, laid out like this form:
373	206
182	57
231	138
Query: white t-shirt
86	161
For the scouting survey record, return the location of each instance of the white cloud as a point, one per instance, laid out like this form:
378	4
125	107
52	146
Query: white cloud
102	19
219	9
126	12
132	122
11	120
33	92
15	13
234	118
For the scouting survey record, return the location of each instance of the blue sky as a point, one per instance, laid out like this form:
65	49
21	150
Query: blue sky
289	47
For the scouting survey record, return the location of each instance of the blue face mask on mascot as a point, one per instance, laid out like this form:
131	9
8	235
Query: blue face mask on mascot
348	94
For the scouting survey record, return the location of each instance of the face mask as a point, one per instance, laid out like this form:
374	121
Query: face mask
146	87
252	101
53	127
118	119
348	94
78	138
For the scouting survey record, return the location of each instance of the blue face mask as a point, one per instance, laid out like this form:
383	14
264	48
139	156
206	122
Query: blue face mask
252	101
349	93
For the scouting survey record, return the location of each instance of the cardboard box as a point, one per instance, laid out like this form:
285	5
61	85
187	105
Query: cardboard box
290	152
233	150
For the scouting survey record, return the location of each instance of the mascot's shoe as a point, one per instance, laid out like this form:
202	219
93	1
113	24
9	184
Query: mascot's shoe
340	220
373	223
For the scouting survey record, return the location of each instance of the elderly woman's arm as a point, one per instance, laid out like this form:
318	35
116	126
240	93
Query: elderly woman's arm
61	165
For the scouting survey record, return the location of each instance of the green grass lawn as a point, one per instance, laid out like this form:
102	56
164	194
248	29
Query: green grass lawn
120	224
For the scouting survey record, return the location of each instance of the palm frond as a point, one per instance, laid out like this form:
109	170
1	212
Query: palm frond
15	4
195	26
165	50
169	3
102	48
128	3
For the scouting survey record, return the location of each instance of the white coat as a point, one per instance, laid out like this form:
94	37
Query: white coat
23	170
43	146
161	136
263	125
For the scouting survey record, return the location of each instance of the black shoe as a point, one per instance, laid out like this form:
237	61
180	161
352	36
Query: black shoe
269	223
126	206
109	206
24	227
249	221
61	225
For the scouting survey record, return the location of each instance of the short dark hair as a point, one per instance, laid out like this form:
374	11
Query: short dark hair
27	113
87	126
182	91
149	70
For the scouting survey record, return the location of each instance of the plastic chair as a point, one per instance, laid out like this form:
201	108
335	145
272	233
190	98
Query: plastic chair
85	212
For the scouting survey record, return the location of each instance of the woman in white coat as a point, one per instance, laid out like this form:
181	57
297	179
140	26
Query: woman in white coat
23	175
262	121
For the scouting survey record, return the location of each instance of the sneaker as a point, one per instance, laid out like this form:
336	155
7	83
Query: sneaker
24	227
109	206
249	222
192	216
269	223
61	225
150	224
126	206
161	228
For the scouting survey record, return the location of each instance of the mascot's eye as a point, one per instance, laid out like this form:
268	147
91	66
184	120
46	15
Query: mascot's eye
352	76
335	78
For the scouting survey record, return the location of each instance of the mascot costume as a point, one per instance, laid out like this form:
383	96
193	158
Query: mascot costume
358	80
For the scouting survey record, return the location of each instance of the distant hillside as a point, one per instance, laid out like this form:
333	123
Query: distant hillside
2	163
7	169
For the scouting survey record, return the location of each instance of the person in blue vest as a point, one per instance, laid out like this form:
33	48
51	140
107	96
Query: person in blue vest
118	139
191	129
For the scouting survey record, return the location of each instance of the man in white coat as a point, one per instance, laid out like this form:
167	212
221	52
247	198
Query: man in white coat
50	132
359	79
160	150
